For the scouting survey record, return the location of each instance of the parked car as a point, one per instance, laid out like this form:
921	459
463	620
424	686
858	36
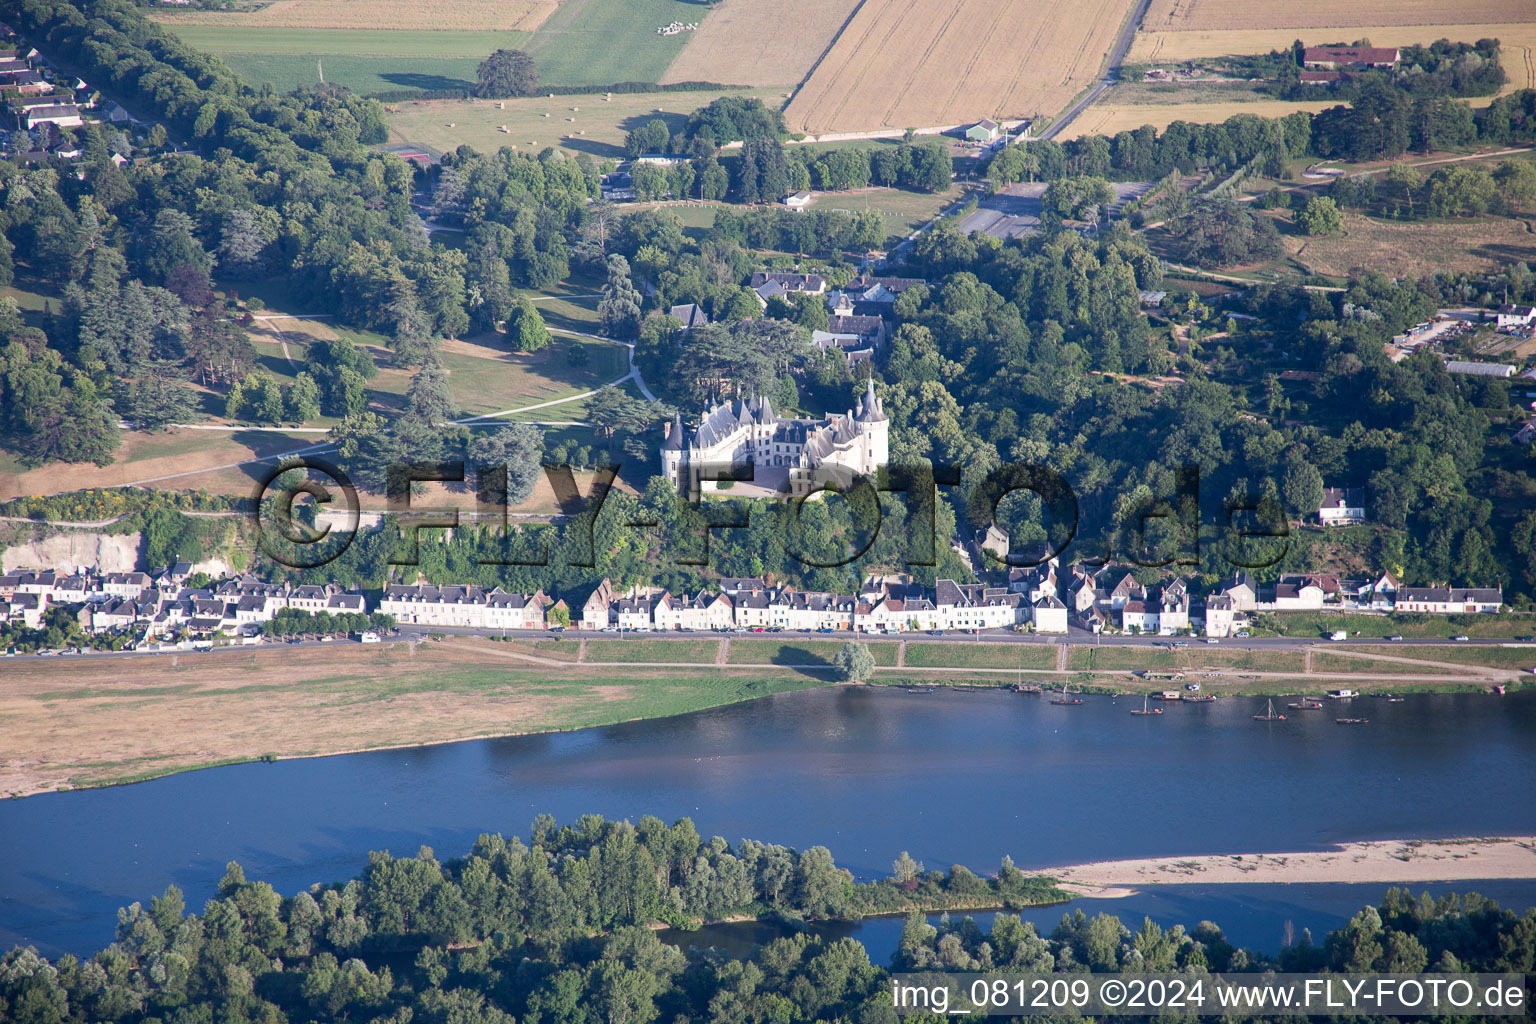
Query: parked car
935	632
1212	640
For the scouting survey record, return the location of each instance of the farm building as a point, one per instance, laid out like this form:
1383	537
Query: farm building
1318	77
985	130
1516	316
1333	58
29	83
1480	369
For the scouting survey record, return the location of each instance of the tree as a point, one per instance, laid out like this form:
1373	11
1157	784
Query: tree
241	244
506	73
303	399
1405	180
1320	216
429	399
519	447
525	327
904	869
620	308
854	663
651	137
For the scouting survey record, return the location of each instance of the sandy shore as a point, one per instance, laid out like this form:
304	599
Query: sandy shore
1389	861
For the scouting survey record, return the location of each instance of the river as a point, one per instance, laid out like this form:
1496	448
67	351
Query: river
950	776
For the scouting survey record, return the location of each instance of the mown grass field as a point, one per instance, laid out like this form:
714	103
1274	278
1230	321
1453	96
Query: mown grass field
396	15
594	124
800	652
904	211
964	655
700	651
1199	656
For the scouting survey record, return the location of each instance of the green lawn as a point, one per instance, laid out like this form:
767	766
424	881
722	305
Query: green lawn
1187	659
693	651
599	42
904	211
963	655
366	61
800	652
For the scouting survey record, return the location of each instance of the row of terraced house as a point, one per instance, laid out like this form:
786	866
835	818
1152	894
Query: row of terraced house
1103	598
884	604
161	601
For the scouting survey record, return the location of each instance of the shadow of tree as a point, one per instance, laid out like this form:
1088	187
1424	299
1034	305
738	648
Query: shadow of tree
428	83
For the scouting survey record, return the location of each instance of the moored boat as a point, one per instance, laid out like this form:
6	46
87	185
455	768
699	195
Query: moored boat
1352	721
1306	705
1145	710
1064	700
1269	715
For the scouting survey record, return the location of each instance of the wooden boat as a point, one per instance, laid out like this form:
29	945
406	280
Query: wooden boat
1146	710
1269	715
1064	699
1352	721
919	689
1199	698
1306	705
1390	698
1028	689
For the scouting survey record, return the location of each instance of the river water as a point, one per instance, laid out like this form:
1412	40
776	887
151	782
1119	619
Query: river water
951	777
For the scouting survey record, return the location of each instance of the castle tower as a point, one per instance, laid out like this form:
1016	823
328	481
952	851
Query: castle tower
875	427
672	452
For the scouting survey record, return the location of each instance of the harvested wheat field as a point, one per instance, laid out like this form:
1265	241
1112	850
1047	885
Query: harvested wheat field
1410	249
1194	43
415	15
743	42
925	63
91	721
1107	118
1191	15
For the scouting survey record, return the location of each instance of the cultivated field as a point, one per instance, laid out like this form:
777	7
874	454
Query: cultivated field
744	42
573	42
411	15
595	125
922	63
1107	118
1415	249
1193	15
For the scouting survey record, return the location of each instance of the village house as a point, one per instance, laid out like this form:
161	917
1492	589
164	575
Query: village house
1450	600
1220	616
859	338
1136	616
689	315
425	605
1527	432
1342	506
61	115
700	612
1049	614
808	284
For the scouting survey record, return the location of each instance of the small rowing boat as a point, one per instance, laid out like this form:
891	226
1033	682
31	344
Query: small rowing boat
1352	721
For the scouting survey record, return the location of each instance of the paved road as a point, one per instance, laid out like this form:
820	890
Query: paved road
1076	637
1111	71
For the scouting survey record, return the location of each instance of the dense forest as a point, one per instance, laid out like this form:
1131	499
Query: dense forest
554	931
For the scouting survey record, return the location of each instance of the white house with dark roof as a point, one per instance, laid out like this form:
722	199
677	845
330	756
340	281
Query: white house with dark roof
1342	506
